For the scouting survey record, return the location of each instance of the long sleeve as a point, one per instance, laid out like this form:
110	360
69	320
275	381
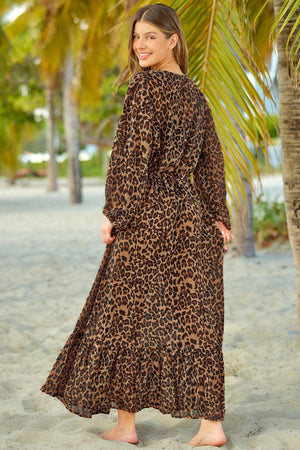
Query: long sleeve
128	167
209	175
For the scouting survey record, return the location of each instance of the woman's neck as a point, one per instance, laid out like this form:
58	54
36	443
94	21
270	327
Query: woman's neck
171	66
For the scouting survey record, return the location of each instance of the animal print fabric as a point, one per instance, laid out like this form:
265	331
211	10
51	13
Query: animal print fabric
150	332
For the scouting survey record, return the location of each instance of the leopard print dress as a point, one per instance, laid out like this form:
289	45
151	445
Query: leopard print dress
150	332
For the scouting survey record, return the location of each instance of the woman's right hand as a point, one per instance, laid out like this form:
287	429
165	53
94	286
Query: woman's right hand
106	231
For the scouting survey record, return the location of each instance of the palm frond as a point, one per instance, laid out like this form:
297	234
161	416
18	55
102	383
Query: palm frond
221	65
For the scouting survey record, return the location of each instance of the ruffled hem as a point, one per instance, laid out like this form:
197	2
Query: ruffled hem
184	384
181	414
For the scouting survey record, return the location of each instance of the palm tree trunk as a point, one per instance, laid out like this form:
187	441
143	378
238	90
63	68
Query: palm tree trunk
289	115
52	164
71	131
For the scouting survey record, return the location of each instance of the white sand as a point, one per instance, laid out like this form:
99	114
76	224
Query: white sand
50	253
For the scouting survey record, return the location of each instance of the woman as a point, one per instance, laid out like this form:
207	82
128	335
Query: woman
150	333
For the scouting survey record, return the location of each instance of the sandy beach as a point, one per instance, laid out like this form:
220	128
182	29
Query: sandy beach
50	253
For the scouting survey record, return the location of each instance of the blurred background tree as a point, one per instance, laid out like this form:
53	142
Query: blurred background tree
76	54
74	46
21	94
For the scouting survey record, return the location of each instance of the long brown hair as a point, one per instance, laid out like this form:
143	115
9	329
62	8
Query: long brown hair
166	20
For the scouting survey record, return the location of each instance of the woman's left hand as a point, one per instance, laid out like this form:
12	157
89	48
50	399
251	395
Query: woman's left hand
106	231
227	236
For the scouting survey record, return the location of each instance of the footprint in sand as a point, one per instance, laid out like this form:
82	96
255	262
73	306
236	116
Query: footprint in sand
240	424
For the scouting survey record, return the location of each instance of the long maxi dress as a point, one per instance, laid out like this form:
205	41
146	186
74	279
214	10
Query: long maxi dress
150	332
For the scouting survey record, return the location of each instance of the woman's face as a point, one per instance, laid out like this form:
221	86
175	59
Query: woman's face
152	47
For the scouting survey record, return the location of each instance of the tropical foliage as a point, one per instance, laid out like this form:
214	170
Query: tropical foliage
20	95
46	32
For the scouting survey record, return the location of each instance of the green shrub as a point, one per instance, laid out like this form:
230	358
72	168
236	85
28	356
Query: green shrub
90	168
269	221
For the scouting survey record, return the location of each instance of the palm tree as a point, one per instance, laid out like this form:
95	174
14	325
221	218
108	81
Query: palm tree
80	27
58	31
68	37
288	26
25	24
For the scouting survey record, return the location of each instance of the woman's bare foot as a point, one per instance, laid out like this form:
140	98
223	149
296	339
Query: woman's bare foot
124	430
210	433
118	433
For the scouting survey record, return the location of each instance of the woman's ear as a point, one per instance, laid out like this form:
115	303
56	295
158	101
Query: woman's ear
173	40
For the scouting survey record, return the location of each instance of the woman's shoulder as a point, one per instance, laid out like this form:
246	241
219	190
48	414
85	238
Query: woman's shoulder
138	83
147	84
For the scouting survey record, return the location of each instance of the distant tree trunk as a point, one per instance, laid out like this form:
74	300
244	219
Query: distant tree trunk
289	115
105	161
242	229
52	164
71	127
242	219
